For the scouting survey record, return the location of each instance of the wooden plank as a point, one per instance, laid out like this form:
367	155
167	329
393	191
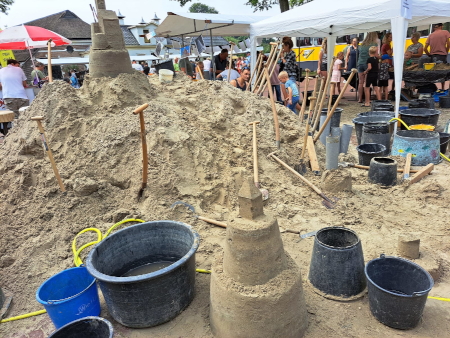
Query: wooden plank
407	165
421	173
312	156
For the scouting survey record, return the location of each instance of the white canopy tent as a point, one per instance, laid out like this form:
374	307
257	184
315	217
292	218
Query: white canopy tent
331	18
66	61
195	24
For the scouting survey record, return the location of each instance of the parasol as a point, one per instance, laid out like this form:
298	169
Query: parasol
27	37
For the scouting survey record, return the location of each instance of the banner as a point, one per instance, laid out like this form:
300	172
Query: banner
158	49
200	44
185	51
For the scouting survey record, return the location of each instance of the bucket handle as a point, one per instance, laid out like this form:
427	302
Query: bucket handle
420	293
383	256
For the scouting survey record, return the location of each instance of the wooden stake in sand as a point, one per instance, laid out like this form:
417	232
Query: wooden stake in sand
322	99
231	61
274	110
272	67
255	71
49	58
38	119
302	111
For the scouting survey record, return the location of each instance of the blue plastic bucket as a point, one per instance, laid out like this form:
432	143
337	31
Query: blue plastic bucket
69	295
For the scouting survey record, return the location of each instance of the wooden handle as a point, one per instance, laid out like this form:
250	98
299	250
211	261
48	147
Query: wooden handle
144	148
254	122
50	154
366	167
200	72
312	186
274	108
212	221
37	118
312	155
140	109
322	100
407	165
330	113
330	95
255	155
229	67
421	173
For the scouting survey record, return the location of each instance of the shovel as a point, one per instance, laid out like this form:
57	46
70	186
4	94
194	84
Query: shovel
326	201
207	220
264	192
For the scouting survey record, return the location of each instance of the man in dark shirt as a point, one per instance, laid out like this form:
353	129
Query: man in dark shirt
372	75
220	61
146	68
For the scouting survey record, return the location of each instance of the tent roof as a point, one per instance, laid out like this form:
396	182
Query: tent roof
193	24
321	18
66	61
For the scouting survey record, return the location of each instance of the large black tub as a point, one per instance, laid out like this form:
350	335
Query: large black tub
337	264
419	116
149	299
398	291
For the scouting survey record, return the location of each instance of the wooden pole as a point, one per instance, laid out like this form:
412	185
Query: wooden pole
200	72
274	111
255	71
261	79
49	63
322	100
231	61
421	173
255	154
273	68
302	111
271	62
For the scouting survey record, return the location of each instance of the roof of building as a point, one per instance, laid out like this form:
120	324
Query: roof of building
65	23
128	37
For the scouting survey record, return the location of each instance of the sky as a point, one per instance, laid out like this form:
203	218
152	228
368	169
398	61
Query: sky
133	10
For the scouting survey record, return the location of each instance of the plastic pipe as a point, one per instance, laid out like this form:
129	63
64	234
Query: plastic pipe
336	132
326	131
345	138
332	151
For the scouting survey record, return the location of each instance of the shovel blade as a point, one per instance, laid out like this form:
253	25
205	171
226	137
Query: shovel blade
301	167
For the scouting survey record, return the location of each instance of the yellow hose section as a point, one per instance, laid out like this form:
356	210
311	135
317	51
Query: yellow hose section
203	271
439	298
31	314
76	253
406	126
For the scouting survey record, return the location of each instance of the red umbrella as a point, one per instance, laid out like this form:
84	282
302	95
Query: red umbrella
26	37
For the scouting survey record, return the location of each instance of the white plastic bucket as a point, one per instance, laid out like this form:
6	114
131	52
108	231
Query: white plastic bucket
165	75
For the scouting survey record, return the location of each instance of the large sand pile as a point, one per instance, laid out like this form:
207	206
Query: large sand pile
199	145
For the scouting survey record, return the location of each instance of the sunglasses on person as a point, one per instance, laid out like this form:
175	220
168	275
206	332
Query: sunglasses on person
245	68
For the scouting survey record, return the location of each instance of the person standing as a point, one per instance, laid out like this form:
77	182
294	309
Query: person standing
336	72
38	77
438	45
352	55
383	76
289	65
73	79
13	84
371	40
386	48
371	73
207	67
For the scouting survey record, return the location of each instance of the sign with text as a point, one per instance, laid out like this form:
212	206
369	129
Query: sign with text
406	9
5	55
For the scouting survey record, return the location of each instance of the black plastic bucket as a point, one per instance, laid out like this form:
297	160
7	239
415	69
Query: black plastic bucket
87	327
359	122
420	116
385	105
335	119
444	138
309	94
156	296
422	103
377	113
383	170
398	291
337	263
165	65
374	132
368	151
444	101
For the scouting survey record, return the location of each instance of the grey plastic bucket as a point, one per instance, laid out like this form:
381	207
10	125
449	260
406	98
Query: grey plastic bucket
359	122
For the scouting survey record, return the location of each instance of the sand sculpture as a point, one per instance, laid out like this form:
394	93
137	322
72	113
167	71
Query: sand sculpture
256	287
108	56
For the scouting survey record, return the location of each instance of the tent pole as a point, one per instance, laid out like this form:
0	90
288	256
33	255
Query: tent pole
49	64
213	75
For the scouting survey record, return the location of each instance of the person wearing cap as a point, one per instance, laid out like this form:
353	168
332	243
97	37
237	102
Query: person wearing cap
438	45
13	84
383	75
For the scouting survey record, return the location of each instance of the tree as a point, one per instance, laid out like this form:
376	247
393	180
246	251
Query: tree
202	8
4	5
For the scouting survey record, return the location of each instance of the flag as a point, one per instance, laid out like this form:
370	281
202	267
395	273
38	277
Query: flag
199	43
185	51
158	49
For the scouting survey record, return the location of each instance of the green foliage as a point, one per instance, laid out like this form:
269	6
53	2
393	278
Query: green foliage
262	5
201	8
4	5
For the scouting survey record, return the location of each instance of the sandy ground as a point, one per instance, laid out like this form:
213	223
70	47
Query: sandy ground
197	160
